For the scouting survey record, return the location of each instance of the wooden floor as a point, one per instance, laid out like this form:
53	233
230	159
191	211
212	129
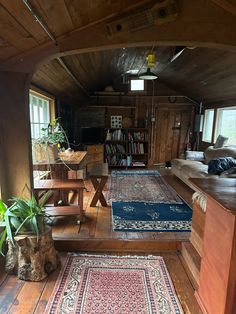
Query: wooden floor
21	297
96	234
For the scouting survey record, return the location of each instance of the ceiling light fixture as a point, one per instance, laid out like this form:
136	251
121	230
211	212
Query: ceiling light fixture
148	75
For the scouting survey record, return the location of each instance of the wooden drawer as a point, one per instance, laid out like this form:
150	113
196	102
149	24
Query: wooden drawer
98	157
92	149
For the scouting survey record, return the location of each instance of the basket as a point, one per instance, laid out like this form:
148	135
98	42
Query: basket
45	153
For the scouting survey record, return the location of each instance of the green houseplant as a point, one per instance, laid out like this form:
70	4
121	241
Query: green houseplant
46	147
23	216
31	254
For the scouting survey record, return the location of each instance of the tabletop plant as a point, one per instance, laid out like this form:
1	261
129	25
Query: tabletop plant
53	134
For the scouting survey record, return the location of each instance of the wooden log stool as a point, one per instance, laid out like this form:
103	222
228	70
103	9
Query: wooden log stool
99	176
58	185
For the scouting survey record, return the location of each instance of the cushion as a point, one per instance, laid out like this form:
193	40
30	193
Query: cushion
219	165
221	141
230	173
194	155
214	153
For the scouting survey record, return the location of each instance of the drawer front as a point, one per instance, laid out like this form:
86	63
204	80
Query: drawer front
92	149
95	157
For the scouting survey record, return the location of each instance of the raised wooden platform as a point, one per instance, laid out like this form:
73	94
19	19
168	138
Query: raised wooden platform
96	234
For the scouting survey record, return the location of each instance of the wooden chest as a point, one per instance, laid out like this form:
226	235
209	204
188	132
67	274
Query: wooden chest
95	155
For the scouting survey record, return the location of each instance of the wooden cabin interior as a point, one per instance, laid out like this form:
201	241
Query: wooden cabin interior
82	61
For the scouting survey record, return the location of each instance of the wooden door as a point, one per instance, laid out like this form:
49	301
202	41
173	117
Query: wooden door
170	133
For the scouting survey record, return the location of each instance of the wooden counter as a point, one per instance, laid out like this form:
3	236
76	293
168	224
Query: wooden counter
217	284
222	191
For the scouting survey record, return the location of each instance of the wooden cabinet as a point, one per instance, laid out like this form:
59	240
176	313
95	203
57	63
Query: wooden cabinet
95	154
127	147
217	284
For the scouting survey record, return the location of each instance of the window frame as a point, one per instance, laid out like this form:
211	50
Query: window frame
212	126
44	96
144	91
217	121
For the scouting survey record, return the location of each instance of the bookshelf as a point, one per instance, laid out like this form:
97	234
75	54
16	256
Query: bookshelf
126	147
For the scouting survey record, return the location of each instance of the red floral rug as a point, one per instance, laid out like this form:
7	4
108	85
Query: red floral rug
114	284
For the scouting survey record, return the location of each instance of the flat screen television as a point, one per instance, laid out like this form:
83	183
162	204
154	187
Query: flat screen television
92	135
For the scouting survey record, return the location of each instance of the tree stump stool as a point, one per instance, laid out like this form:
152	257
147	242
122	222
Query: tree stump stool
32	258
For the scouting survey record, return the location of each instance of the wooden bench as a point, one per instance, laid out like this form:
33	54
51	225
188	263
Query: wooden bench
57	186
99	176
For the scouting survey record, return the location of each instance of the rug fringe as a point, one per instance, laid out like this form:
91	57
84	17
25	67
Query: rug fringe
115	256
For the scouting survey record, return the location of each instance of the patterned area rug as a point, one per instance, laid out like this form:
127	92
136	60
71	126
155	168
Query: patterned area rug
114	285
141	216
143	201
144	185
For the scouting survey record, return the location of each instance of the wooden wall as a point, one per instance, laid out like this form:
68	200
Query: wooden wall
168	122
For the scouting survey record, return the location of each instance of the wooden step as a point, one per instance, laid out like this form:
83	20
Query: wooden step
63	210
192	261
72	243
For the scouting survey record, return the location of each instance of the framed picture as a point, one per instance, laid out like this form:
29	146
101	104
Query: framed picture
116	121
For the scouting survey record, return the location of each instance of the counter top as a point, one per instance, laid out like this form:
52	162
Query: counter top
222	190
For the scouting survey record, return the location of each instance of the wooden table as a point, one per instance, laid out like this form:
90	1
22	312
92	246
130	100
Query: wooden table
68	161
57	185
60	169
99	176
217	284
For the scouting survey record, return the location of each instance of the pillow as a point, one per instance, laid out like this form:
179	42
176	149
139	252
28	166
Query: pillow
219	165
230	173
221	141
194	155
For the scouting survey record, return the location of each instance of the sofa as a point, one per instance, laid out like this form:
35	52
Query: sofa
196	164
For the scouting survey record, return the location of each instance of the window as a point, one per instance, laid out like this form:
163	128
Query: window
39	113
137	85
208	125
226	124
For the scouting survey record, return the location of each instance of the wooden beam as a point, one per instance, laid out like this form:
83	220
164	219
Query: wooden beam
226	5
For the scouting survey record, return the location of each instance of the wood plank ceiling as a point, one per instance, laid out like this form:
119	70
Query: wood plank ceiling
203	74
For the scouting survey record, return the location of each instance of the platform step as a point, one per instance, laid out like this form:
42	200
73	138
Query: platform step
63	210
192	261
113	245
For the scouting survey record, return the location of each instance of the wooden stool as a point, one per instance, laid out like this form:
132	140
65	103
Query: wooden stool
57	185
99	176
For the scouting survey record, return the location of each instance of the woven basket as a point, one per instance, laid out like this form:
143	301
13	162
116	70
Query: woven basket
45	153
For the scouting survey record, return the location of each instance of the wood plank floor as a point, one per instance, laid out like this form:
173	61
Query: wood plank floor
21	297
96	234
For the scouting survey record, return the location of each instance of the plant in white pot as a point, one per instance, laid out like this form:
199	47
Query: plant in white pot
46	147
27	238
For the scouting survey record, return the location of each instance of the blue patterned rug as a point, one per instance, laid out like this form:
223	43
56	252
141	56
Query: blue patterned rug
143	201
145	216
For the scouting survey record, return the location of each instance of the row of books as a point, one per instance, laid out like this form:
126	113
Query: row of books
115	135
116	160
115	149
136	148
138	136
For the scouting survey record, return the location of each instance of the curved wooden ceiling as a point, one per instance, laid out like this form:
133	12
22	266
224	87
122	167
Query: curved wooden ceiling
203	74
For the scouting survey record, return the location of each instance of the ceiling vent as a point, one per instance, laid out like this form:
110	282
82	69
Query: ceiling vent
160	13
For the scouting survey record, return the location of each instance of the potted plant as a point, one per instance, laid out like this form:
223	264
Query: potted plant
31	253
47	146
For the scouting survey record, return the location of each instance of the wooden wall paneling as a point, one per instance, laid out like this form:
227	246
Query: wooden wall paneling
170	128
